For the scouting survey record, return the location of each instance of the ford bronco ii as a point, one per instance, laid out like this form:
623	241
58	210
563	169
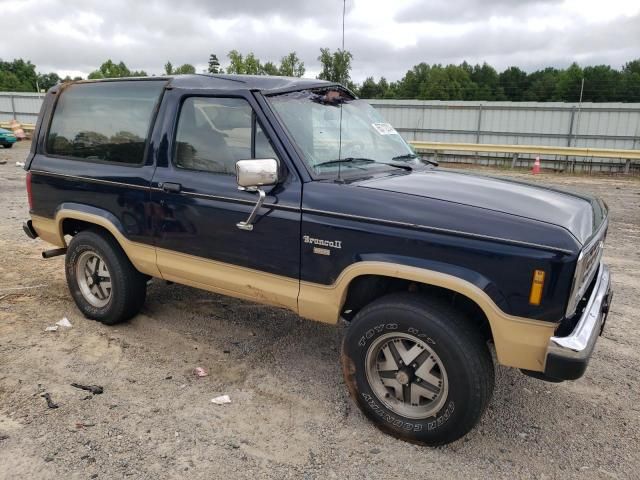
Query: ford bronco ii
294	193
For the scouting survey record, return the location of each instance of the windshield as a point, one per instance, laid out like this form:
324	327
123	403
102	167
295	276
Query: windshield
366	143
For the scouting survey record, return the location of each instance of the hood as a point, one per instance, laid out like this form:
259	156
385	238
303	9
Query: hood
580	215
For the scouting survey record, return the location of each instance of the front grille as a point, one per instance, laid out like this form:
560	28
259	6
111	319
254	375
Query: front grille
586	268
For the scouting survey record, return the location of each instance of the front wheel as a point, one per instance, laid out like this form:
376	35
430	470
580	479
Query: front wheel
417	368
8	145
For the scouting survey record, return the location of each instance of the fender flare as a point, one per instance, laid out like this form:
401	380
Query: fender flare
519	342
142	256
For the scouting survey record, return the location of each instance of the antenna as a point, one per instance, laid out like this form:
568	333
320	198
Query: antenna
344	8
339	179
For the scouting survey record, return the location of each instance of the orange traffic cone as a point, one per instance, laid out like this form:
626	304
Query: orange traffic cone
536	166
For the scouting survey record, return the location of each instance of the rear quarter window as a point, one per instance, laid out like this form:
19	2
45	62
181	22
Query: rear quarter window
104	121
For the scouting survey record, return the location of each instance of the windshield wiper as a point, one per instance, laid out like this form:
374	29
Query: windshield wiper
411	156
360	160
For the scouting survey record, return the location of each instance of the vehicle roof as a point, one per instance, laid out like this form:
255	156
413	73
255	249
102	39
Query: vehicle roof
264	83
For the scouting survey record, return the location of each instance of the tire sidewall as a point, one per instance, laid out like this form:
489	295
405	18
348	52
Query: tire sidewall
422	326
77	248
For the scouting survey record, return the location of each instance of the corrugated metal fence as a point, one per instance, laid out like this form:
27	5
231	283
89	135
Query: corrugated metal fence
605	125
23	106
602	125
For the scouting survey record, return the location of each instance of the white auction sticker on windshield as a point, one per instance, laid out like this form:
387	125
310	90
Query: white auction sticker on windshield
384	128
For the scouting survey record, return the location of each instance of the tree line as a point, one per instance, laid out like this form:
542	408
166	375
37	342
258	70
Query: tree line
599	83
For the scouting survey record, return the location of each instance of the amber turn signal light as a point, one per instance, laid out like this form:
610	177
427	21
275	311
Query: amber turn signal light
536	287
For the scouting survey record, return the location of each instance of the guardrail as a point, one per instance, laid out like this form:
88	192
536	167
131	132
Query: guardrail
27	127
516	150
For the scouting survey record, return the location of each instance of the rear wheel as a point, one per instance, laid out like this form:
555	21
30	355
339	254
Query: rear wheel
417	368
103	282
8	145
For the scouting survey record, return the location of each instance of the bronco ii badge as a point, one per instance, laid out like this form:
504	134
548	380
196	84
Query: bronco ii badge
318	243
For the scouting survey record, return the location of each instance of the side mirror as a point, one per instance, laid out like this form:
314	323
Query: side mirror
250	176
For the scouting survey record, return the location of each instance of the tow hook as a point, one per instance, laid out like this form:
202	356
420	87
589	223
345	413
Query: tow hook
54	253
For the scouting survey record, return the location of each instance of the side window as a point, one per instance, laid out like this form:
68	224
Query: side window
214	133
105	121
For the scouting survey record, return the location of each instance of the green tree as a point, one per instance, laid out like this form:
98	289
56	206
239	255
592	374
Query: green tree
269	68
542	85
569	84
369	88
252	65
168	68
291	66
487	82
601	84
514	83
109	69
47	80
18	76
214	64
237	63
630	82
244	65
336	66
185	69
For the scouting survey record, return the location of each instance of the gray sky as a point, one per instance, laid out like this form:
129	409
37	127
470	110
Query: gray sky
387	37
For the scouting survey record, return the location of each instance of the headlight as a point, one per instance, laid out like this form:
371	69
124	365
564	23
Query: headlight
586	268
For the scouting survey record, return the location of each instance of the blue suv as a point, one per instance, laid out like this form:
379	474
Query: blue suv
294	193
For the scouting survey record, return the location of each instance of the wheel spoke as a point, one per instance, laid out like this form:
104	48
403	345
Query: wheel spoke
395	385
103	272
424	372
418	392
389	362
409	355
95	290
91	264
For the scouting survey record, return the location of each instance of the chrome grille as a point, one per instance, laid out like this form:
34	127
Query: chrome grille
586	268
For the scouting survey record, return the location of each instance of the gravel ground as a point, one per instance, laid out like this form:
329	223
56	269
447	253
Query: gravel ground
290	415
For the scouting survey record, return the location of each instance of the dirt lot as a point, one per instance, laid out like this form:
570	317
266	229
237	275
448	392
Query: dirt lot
290	415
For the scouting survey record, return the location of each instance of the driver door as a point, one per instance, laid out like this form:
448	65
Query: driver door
198	204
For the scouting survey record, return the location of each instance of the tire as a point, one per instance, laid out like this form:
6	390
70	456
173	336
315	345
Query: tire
448	384
102	281
7	145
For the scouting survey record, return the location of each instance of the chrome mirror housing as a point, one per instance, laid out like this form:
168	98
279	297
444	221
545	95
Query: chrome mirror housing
251	175
259	172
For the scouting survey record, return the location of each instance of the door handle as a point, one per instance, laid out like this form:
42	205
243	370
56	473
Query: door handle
170	187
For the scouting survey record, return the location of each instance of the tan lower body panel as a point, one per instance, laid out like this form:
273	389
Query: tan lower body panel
229	279
519	342
142	256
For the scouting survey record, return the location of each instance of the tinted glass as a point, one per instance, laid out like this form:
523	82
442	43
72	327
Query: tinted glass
106	121
214	133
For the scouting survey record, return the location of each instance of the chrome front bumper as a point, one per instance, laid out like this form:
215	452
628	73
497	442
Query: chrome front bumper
567	357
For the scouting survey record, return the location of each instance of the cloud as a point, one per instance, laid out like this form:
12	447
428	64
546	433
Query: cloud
386	38
455	11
